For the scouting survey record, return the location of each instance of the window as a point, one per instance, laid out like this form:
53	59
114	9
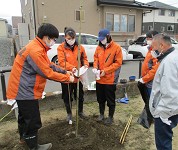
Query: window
91	40
150	28
131	23
110	21
170	28
161	12
116	23
171	13
143	28
123	23
78	17
162	29
120	23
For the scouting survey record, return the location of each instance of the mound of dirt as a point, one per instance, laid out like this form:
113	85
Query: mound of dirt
91	135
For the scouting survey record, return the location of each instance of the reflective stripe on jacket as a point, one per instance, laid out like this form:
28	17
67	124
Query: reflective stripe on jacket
109	60
30	70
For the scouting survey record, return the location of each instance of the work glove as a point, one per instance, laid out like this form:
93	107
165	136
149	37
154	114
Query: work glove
71	79
86	66
102	73
94	70
97	73
166	121
43	95
74	70
141	80
12	103
70	73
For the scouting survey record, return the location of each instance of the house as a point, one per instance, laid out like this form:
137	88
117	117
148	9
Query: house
15	21
3	27
122	17
164	19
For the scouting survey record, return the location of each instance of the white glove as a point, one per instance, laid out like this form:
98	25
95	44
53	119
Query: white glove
85	66
166	121
141	80
71	79
43	95
102	73
12	103
15	106
74	70
94	70
98	75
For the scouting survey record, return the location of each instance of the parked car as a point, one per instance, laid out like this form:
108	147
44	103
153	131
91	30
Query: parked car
139	47
88	41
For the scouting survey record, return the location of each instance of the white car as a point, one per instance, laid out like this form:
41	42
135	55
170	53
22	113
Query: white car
88	41
139	47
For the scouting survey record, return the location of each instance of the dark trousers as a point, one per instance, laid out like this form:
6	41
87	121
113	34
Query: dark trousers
164	133
29	121
72	89
106	93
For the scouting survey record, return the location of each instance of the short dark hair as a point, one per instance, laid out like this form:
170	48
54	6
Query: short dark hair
151	34
47	29
69	31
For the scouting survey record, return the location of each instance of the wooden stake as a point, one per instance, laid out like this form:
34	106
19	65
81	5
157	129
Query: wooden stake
78	57
122	138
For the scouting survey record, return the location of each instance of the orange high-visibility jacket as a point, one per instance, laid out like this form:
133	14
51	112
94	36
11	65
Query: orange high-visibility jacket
30	70
109	60
149	67
68	59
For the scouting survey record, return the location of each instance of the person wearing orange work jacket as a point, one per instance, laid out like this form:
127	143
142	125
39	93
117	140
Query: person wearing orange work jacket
27	81
108	61
149	68
68	59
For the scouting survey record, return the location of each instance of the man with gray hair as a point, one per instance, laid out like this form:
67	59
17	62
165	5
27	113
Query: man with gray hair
164	96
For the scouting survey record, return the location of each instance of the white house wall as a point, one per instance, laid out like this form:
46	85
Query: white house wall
154	17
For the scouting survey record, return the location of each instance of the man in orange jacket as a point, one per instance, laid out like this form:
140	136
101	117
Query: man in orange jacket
149	68
27	80
68	59
107	61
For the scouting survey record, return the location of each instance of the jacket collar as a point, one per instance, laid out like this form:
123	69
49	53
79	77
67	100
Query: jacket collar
160	58
42	43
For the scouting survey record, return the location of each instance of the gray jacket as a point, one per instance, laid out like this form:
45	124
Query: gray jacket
164	96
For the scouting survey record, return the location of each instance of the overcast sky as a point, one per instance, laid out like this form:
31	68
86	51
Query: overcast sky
10	8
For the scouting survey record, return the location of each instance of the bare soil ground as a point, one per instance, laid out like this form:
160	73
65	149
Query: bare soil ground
91	134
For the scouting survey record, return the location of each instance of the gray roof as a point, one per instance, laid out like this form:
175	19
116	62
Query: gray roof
162	5
125	3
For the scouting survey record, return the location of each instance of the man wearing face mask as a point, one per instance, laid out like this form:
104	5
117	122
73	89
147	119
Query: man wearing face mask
68	59
108	60
164	96
27	80
149	68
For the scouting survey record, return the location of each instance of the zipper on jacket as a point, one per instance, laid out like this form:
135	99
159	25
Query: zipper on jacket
107	58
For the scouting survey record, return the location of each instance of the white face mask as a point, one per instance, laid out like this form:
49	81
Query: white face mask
70	42
149	42
50	44
104	41
155	53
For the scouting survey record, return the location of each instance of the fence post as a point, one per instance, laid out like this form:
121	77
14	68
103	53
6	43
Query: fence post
3	85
